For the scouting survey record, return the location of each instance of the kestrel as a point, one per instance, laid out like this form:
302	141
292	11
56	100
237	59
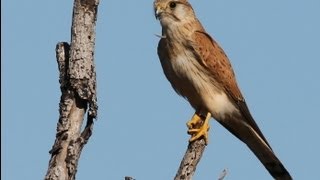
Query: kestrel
199	70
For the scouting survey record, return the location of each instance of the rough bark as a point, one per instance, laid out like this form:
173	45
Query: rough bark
191	158
78	87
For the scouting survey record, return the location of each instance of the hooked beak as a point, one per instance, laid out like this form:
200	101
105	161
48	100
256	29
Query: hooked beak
158	13
158	10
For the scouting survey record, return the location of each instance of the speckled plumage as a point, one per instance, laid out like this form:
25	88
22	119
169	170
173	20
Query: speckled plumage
199	70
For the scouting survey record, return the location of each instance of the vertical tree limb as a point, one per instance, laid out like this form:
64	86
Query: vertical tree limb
78	87
191	158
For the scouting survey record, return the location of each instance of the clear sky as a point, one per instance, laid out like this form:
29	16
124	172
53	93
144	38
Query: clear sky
273	47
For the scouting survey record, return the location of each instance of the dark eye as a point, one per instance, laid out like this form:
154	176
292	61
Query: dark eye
172	5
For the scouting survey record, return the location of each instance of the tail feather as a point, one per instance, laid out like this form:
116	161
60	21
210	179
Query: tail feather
258	145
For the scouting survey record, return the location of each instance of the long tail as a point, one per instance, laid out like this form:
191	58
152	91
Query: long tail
248	132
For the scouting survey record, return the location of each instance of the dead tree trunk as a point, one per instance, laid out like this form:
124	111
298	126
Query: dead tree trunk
78	87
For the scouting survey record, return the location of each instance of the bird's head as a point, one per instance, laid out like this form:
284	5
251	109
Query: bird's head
173	11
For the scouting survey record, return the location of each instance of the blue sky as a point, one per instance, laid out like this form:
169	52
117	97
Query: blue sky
273	47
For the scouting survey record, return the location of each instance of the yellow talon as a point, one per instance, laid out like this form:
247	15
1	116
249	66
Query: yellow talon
198	127
195	120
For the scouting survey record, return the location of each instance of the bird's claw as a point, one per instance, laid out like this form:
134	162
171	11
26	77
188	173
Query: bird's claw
195	121
198	133
199	127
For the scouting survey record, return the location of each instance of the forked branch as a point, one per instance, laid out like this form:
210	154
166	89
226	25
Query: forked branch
78	87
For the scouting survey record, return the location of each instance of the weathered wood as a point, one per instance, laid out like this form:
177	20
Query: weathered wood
78	87
190	160
82	69
192	156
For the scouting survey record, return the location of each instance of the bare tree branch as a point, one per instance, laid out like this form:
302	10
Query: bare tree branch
223	174
128	178
78	87
190	160
192	156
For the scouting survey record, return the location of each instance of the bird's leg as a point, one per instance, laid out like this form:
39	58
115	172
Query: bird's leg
199	127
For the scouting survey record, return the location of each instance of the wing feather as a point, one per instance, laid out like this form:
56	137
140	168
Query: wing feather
211	55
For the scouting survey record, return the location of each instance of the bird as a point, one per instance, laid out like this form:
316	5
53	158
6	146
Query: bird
199	70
